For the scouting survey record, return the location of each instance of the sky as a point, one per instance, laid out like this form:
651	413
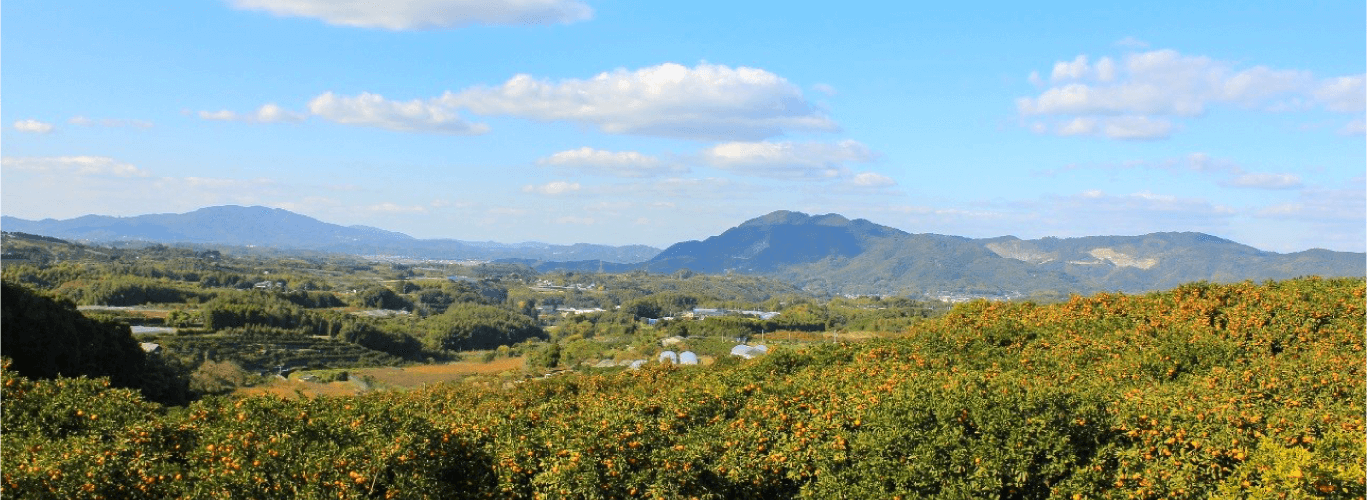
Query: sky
625	122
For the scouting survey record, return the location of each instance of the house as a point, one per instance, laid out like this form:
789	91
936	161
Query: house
150	348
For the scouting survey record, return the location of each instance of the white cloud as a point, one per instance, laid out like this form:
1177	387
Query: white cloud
704	102
1137	128
400	15
220	115
108	122
33	126
872	180
1344	94
373	110
73	165
1133	95
392	208
1356	127
1115	127
1074	70
1201	162
1226	172
1082	125
272	113
1319	205
1265	181
552	188
611	163
570	219
787	160
1132	43
1096	212
824	89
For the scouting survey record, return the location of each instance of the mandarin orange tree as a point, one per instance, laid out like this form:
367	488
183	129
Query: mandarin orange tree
1241	390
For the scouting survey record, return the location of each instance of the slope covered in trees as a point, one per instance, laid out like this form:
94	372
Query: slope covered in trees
1236	391
47	338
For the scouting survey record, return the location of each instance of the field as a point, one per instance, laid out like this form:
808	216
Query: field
383	378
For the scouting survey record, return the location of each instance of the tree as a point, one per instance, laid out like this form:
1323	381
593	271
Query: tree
477	326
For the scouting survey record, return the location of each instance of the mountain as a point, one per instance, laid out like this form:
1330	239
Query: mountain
279	228
835	254
827	253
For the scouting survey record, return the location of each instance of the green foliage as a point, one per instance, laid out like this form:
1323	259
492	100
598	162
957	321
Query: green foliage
546	356
1092	398
49	338
475	327
379	297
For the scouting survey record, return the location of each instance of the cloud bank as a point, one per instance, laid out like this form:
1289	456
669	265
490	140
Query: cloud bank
705	102
1137	96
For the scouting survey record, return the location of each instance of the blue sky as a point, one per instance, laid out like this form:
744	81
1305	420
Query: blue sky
655	122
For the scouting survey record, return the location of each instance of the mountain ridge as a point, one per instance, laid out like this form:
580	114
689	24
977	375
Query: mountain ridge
825	252
279	228
858	256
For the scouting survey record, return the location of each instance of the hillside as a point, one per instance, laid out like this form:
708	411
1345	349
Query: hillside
1204	391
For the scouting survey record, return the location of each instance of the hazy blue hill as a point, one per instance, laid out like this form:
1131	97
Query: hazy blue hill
279	228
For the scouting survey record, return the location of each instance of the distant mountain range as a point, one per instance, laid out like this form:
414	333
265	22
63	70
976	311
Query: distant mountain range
279	228
834	254
823	253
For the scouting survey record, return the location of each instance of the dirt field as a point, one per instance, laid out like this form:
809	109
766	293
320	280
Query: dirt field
384	378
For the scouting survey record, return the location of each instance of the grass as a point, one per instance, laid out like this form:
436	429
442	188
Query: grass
400	378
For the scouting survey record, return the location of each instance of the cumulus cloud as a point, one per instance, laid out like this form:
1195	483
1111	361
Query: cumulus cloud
33	126
707	102
403	15
373	110
787	160
1344	94
73	165
552	188
1129	98
271	113
267	113
610	163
